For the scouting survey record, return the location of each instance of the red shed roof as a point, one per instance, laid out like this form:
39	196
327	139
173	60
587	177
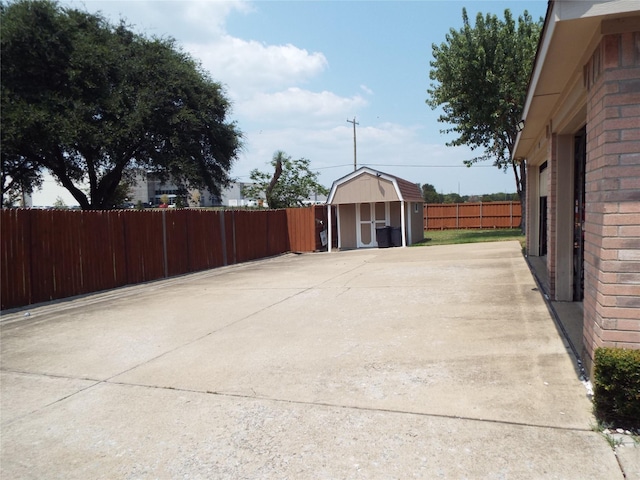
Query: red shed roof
409	190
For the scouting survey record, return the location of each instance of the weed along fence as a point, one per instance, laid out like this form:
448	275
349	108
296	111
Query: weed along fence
443	216
52	254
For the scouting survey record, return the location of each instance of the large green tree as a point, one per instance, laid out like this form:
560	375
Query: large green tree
290	184
430	194
93	103
479	79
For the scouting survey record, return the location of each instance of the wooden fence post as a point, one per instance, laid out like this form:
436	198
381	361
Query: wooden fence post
233	226
164	244
269	219
223	238
426	216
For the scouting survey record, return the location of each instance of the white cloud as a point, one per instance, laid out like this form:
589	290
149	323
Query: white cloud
186	20
366	90
212	15
295	105
247	66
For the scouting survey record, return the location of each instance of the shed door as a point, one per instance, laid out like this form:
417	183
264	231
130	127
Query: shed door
370	216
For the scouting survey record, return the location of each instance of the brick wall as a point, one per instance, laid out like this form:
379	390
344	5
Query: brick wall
612	220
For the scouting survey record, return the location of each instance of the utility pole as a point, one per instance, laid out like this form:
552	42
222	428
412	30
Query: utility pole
354	141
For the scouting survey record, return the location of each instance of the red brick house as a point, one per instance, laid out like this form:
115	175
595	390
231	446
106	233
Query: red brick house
581	144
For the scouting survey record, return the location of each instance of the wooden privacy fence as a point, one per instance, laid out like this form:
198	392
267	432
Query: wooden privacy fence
52	254
443	216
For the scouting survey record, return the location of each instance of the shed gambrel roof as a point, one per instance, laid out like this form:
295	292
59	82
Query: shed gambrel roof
410	191
404	190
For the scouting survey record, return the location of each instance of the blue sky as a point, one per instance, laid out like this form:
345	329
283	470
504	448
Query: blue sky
297	70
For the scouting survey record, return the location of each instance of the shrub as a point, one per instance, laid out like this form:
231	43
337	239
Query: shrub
616	393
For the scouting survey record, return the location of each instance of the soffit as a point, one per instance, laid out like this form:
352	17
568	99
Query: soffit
563	60
572	29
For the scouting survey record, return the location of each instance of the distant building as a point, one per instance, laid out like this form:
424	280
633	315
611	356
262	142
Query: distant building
232	196
149	190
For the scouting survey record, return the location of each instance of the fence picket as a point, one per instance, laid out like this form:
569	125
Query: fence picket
438	216
51	254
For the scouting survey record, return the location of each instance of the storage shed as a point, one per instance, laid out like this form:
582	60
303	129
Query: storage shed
375	209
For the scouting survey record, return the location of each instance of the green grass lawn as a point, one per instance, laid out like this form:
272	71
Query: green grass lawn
448	237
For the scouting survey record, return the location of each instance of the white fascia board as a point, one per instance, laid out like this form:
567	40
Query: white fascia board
540	61
398	192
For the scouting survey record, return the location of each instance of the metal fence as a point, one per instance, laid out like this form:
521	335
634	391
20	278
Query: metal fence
443	216
53	254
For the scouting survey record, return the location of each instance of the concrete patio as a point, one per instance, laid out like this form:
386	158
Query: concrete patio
425	362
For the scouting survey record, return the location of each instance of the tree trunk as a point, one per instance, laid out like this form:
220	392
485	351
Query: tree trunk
273	202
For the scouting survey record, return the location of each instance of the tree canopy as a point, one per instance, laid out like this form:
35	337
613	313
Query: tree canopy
289	186
480	76
430	194
93	103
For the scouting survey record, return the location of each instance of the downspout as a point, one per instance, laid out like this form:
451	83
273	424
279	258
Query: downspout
403	223
329	231
409	224
338	225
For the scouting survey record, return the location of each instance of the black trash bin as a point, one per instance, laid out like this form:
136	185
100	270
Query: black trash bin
396	237
383	237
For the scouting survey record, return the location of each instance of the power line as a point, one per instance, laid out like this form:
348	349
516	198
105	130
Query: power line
333	166
404	165
425	166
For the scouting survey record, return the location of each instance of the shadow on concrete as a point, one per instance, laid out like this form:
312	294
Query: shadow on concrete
568	316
